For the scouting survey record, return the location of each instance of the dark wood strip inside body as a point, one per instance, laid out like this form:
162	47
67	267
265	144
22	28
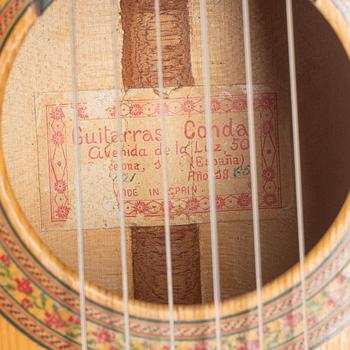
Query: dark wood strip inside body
149	264
139	62
140	48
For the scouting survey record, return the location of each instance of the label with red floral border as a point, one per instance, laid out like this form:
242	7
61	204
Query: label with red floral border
140	136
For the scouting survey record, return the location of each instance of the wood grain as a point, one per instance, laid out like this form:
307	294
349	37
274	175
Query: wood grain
140	71
149	264
12	339
140	47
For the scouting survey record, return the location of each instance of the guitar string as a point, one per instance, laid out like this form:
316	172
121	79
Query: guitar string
297	163
165	177
211	174
253	167
120	186
77	168
210	170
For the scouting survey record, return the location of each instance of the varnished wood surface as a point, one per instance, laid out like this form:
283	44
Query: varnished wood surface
12	339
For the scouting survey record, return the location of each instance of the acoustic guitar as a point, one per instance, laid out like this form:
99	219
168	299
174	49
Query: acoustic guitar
174	174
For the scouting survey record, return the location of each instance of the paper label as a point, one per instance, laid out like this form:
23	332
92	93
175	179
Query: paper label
142	173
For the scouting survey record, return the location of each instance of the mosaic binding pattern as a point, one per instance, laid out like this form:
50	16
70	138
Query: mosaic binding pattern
47	309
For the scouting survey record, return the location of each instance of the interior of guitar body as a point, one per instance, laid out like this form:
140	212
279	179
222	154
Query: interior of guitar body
38	141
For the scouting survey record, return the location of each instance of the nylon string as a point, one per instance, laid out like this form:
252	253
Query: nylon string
253	168
297	163
165	177
120	186
77	168
211	175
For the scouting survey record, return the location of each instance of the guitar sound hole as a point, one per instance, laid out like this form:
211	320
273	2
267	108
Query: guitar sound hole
37	141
